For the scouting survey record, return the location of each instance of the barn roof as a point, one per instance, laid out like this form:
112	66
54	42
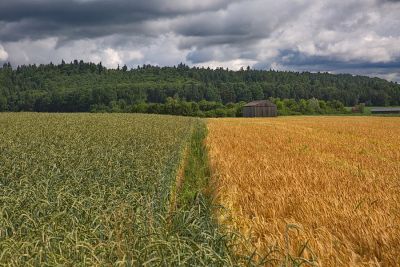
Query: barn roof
260	103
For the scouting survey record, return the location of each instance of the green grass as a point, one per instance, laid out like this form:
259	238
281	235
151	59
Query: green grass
196	171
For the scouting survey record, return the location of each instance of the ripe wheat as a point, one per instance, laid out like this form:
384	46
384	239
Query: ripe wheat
314	190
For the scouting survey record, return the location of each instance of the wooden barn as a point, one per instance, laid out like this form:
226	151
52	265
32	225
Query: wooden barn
260	108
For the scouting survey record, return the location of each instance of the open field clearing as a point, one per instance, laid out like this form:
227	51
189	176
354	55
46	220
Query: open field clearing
322	189
86	189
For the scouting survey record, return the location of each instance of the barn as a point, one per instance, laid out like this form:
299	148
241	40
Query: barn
260	108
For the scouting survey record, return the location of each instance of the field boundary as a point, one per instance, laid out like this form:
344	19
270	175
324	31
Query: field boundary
180	176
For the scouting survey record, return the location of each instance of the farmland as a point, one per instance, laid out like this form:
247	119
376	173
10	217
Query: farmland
311	190
143	190
86	189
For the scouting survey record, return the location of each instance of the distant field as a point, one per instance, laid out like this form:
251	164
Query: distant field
310	190
95	190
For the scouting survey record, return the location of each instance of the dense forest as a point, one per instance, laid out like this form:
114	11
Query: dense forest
84	87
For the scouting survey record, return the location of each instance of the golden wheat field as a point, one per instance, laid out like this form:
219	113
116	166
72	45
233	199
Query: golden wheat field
311	190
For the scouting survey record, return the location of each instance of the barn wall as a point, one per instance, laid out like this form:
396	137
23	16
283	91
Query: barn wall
259	112
266	111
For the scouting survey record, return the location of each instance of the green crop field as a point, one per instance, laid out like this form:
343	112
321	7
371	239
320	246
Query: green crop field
97	189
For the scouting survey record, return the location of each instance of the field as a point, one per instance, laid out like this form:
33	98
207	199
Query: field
86	189
143	190
311	190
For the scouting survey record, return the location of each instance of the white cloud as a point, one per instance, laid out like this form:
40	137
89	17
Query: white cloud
235	64
3	54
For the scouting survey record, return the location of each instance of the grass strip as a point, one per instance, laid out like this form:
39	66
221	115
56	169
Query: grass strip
195	209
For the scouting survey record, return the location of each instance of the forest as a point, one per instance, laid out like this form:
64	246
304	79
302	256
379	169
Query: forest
182	90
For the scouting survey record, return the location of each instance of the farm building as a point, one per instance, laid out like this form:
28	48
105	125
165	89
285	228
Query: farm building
379	110
260	108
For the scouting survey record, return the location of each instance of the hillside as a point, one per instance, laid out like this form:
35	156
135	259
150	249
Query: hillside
82	87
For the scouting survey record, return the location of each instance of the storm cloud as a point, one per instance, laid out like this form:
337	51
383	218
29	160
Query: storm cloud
356	36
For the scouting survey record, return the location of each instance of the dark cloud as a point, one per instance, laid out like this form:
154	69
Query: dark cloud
77	19
99	11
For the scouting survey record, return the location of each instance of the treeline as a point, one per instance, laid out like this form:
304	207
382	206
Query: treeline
176	107
216	109
83	87
311	106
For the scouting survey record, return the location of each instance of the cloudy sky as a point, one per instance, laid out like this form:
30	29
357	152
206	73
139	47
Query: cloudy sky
352	36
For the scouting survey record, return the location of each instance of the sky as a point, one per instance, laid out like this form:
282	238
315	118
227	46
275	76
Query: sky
354	36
